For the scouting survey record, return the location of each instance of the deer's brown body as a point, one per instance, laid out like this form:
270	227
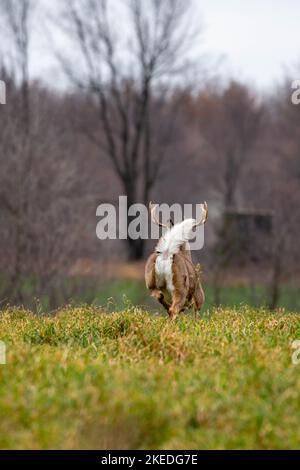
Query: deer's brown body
178	286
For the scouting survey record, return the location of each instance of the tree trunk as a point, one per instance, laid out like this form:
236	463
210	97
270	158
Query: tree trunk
136	249
275	283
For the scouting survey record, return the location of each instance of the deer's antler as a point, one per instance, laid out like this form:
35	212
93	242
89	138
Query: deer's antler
205	215
152	208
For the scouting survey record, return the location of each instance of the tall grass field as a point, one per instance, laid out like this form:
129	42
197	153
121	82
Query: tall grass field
86	379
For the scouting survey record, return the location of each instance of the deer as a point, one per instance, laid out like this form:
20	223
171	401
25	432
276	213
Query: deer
170	273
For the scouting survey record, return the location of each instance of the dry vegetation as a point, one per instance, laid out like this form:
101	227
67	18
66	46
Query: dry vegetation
86	379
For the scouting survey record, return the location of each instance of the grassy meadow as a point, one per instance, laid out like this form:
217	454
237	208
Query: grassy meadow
89	379
115	294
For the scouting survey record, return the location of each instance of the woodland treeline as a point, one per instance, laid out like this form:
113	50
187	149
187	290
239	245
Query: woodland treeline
143	127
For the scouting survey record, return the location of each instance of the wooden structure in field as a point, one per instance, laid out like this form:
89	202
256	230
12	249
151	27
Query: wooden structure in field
247	236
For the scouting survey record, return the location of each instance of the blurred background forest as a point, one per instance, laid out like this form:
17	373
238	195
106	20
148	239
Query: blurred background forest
142	113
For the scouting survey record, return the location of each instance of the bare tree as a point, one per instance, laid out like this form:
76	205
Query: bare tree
122	72
37	221
284	188
16	17
230	123
36	175
17	22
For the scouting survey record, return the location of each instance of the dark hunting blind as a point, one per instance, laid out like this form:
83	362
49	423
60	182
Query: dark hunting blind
247	236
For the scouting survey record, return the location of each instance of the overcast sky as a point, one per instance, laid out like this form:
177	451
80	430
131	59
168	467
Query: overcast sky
258	39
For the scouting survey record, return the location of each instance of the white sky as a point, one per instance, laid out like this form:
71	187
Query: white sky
259	39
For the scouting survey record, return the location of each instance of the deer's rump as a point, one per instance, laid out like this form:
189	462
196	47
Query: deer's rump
174	273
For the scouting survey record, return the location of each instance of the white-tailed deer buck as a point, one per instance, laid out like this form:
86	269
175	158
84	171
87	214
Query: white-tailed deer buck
170	273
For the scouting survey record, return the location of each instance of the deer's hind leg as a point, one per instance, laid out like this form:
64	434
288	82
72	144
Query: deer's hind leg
178	303
199	298
158	295
150	279
180	286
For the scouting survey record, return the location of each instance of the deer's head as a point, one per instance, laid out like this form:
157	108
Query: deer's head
177	236
170	223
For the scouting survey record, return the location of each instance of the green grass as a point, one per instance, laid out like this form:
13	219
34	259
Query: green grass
128	380
116	294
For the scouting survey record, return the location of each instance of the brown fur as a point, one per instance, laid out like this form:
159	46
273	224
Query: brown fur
187	287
